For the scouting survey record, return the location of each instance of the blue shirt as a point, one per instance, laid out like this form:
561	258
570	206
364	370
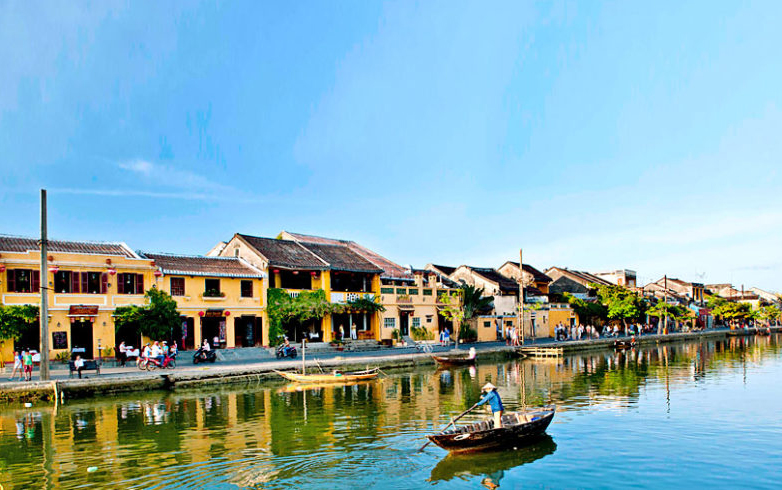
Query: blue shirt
493	398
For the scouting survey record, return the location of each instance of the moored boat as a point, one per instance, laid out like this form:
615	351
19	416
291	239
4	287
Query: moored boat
623	344
454	360
518	429
335	377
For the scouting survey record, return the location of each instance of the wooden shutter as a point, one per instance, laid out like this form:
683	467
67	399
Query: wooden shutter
35	281
104	283
11	274
120	283
139	283
85	281
74	282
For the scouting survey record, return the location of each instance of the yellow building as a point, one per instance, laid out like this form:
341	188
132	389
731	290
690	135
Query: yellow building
312	264
85	282
219	298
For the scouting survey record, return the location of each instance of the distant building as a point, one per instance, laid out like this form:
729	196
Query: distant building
620	277
693	291
577	283
534	280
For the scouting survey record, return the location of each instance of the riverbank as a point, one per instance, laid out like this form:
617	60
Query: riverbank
130	379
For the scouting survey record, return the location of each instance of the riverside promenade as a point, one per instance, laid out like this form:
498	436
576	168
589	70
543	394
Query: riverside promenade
186	375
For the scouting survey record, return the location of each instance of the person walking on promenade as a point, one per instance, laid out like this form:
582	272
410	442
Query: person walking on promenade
341	332
495	403
353	332
17	366
27	362
123	353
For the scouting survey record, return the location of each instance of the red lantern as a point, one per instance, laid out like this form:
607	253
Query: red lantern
295	273
158	273
2	268
54	269
276	271
313	273
112	271
227	313
200	313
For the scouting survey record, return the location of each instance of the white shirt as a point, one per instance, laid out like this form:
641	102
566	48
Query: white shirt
156	352
122	348
78	363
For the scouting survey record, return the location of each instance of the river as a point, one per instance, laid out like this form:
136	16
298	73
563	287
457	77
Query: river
676	415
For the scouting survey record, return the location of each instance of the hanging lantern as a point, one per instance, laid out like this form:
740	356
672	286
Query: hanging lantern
313	273
158	273
112	271
200	313
54	269
295	273
276	271
227	313
2	268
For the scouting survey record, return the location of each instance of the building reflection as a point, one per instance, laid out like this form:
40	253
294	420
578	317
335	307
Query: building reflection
249	436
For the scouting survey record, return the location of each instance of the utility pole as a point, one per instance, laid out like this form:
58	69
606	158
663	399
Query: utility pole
44	291
521	298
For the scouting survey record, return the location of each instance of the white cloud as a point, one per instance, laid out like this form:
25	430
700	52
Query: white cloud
171	177
140	166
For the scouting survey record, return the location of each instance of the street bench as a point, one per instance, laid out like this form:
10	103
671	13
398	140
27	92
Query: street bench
89	365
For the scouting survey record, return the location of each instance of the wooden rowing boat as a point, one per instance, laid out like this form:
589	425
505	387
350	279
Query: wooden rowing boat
454	360
623	344
518	429
335	377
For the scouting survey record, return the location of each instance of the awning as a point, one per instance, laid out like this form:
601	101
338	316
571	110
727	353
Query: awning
406	307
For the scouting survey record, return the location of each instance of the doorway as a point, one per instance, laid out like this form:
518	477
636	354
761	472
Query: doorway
404	324
81	338
247	331
211	328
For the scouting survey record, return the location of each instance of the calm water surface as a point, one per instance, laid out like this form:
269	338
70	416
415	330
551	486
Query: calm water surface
684	415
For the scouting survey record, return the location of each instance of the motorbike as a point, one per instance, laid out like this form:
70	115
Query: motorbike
286	351
152	363
202	355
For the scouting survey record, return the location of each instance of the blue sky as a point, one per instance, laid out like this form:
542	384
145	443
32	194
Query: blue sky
594	135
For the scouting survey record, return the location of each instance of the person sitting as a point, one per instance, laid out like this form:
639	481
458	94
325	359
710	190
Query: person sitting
472	353
157	353
205	347
495	403
78	364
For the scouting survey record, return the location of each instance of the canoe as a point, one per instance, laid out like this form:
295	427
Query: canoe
454	360
518	429
336	377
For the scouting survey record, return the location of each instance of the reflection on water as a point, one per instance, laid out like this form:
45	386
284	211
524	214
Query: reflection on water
614	409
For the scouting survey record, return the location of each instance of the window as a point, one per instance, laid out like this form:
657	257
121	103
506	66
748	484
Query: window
508	323
177	286
23	281
389	322
130	283
247	289
62	282
212	288
487	324
412	291
427	292
386	290
416	322
401	291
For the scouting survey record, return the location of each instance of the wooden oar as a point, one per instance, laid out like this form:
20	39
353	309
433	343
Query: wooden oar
452	422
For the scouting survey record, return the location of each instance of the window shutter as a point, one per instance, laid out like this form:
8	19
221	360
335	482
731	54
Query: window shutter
35	285
74	282
85	284
139	283
120	283
104	283
11	274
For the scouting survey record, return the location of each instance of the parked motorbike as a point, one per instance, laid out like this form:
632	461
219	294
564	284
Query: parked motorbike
286	351
202	355
153	363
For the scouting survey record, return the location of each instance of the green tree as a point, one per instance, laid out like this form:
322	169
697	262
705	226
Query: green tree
621	303
156	319
308	305
589	312
462	307
768	314
15	319
728	311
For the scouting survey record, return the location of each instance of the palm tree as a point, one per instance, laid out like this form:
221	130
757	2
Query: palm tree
473	302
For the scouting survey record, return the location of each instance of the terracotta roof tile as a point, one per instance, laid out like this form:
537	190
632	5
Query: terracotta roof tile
341	258
23	244
490	274
536	274
196	265
285	253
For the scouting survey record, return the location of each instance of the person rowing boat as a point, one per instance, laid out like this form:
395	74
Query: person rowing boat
495	402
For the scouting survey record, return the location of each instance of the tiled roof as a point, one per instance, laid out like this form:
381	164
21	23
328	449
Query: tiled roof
582	277
444	269
285	253
23	244
536	274
341	258
390	269
196	265
503	282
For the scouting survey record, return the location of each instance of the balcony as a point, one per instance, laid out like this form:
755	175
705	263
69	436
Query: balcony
349	296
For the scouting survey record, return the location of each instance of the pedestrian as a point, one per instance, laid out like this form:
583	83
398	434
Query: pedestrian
353	332
78	363
27	363
495	403
174	350
341	332
17	366
123	353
